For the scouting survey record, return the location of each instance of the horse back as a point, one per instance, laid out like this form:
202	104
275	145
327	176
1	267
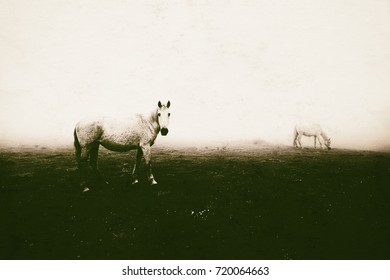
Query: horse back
308	130
116	135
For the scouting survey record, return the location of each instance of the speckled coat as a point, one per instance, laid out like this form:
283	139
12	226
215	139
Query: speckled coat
137	132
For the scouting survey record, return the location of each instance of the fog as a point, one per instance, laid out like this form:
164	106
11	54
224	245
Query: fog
233	70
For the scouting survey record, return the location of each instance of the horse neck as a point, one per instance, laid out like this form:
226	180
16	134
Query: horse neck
153	122
323	134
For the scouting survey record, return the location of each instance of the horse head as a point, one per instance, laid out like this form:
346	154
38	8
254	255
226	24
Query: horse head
163	115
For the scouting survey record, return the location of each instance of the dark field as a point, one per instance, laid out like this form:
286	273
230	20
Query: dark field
265	203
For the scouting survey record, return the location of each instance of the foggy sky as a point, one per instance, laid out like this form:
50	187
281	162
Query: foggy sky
233	70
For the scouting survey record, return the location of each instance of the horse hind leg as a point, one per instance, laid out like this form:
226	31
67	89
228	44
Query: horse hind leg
77	148
93	160
295	141
83	167
299	141
81	154
136	166
295	144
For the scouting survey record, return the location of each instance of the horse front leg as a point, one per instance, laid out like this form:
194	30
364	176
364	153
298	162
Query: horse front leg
147	156
320	141
136	165
315	142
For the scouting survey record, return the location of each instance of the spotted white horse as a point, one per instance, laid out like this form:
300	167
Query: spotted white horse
311	131
136	133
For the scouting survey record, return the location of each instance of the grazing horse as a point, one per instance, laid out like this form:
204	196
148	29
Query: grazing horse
137	133
313	130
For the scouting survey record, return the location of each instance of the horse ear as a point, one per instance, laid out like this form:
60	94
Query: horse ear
159	104
168	104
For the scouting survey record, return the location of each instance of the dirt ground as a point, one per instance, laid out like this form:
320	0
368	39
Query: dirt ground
257	203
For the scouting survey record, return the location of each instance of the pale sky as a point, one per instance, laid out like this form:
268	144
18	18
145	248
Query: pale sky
233	70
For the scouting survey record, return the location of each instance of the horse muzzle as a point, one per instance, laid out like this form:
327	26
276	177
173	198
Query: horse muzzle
164	131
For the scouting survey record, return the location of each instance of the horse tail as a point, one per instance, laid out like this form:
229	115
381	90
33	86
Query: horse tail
77	146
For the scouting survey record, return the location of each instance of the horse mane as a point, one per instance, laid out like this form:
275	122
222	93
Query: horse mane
153	120
153	116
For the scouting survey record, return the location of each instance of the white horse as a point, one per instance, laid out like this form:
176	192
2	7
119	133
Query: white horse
312	130
138	133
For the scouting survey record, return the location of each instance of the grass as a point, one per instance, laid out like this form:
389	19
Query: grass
255	203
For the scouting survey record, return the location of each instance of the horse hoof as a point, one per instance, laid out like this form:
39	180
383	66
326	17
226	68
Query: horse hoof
153	182
85	189
135	182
